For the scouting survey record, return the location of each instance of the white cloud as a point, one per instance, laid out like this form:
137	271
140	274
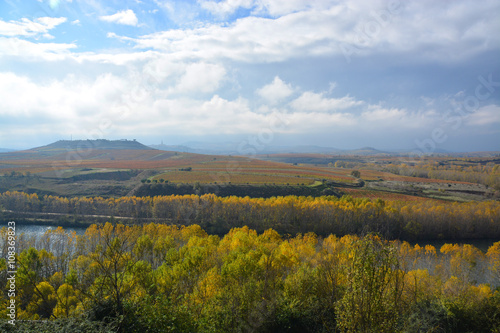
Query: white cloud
276	91
201	77
376	117
264	7
34	51
381	114
194	78
227	7
310	101
486	115
30	28
331	28
126	17
118	59
213	116
283	7
127	104
251	39
332	86
61	105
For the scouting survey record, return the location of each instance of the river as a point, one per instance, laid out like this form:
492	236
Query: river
38	230
481	244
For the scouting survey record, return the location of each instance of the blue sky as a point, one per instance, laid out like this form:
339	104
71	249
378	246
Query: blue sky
389	74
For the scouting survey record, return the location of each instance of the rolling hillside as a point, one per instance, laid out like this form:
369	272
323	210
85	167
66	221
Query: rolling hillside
127	167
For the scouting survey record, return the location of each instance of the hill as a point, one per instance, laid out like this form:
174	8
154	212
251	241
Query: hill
123	167
66	145
83	149
366	151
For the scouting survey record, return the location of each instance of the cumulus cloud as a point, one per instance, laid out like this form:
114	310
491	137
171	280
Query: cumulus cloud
204	75
326	28
250	39
59	104
215	115
227	7
201	77
126	17
275	91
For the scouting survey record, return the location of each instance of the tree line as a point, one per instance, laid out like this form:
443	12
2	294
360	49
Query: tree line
476	171
164	278
488	174
429	219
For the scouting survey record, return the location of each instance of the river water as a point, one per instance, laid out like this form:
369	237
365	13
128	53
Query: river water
38	230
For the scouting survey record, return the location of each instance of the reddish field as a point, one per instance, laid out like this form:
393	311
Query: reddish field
51	165
358	193
233	178
246	171
375	175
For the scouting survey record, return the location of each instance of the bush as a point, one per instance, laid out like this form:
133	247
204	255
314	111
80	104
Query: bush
63	325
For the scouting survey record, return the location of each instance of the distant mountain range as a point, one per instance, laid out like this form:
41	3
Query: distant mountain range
227	148
224	148
231	148
237	149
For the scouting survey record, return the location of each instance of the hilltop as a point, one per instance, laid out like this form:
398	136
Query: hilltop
91	144
84	149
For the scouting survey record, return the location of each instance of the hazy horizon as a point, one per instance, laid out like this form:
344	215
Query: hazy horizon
248	146
344	74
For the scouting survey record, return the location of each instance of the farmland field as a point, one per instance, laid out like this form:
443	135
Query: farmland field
211	204
384	195
240	171
94	169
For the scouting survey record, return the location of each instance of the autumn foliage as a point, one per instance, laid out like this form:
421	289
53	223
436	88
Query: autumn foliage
164	278
408	220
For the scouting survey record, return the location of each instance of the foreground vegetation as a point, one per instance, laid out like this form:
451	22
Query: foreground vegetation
159	278
413	220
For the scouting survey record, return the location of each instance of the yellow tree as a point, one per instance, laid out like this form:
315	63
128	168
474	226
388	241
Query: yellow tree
67	301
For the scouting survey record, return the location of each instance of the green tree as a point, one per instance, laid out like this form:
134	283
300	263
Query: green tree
372	300
356	173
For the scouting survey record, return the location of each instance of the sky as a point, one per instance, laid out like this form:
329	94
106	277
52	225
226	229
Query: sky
422	75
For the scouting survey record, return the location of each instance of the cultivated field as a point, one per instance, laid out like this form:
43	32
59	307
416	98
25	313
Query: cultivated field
114	169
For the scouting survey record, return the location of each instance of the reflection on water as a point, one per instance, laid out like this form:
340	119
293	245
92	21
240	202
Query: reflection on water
481	244
29	235
38	230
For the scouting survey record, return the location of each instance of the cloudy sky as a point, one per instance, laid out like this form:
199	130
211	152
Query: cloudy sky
388	74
